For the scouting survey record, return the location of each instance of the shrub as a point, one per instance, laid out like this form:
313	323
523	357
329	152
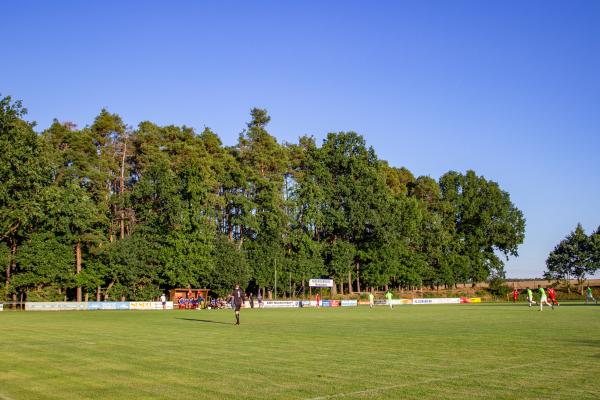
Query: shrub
498	287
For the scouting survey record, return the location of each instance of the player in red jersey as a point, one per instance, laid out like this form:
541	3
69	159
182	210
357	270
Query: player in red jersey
552	295
515	295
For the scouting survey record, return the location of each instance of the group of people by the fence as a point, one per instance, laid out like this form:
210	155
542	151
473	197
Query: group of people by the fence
191	302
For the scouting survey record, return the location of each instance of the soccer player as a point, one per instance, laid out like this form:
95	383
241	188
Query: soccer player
590	296
237	297
543	298
552	295
389	297
515	295
318	300
530	297
371	299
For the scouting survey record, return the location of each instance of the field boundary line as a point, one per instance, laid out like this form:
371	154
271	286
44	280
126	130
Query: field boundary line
430	380
4	397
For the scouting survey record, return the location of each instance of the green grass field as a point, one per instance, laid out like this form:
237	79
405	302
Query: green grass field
411	352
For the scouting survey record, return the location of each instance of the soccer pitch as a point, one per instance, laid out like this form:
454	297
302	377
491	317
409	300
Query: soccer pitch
410	352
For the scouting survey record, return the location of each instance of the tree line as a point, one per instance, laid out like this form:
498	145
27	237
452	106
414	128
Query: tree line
111	212
576	256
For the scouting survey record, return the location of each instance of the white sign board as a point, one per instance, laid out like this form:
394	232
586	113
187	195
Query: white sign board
281	304
437	301
56	306
150	305
320	283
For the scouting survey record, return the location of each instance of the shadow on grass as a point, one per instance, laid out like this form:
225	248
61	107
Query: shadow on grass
587	342
206	321
593	343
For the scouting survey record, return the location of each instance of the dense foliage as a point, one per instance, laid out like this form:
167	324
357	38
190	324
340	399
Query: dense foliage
110	212
576	256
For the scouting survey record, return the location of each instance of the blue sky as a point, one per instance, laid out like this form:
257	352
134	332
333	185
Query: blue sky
510	89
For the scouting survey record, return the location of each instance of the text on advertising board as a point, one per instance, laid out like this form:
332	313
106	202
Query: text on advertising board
320	282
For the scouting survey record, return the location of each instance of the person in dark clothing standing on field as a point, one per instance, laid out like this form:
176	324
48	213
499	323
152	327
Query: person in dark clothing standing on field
237	298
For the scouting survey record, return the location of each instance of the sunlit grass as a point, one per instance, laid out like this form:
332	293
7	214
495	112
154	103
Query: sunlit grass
421	352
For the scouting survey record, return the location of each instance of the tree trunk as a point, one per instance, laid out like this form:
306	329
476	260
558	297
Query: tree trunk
122	188
357	277
122	222
98	293
110	285
78	266
350	282
241	238
11	265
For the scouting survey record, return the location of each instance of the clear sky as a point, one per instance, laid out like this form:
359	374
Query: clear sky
510	89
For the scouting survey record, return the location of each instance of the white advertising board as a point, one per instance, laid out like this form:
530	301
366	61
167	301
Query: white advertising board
281	304
56	306
108	305
349	303
149	305
437	301
1	307
320	282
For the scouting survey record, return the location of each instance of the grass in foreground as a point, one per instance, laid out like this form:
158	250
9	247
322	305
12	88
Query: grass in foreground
410	352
